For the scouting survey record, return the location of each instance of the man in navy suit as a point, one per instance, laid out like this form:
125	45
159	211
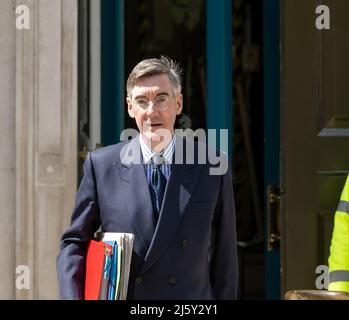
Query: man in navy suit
181	211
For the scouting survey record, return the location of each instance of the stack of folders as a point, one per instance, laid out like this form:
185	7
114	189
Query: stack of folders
108	262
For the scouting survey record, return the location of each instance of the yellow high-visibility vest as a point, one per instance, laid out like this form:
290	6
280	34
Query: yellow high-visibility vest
338	261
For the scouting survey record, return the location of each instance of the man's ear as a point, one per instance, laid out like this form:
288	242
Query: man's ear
179	104
130	108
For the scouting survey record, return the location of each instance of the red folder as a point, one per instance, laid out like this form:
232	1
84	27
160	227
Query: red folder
94	268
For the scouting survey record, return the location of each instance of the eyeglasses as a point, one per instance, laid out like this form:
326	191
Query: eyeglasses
159	103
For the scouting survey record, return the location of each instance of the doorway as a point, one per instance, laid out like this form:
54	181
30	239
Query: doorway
134	30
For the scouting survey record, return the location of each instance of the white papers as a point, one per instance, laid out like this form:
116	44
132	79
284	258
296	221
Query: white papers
124	243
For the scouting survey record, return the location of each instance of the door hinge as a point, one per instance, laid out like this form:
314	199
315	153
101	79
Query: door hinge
274	214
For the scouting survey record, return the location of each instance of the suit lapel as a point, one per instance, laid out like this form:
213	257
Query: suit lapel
135	192
178	191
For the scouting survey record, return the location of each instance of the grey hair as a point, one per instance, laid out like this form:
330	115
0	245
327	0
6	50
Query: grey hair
151	67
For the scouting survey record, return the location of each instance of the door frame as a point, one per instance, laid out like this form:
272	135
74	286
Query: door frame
271	80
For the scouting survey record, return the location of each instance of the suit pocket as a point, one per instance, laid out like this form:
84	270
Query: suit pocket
201	206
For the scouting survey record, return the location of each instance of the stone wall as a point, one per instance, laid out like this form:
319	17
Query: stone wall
38	128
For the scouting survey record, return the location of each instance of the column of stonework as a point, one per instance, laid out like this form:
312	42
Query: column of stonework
7	153
46	139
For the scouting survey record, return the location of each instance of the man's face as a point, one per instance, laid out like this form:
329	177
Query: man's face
151	121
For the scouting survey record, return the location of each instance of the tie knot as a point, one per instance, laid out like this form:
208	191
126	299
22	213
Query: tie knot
157	159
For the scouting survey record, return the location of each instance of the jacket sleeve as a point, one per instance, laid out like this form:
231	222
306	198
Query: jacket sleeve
224	260
85	222
339	251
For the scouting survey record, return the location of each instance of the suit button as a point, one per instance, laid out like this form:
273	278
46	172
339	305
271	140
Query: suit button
185	243
172	280
139	280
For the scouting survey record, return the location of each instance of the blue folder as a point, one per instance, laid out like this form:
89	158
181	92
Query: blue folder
113	270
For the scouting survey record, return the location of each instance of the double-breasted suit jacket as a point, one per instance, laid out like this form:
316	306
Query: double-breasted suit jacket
189	253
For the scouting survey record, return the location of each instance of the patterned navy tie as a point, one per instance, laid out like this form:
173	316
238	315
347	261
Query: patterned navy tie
158	183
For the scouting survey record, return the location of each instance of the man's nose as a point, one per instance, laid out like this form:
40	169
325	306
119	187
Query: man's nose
151	109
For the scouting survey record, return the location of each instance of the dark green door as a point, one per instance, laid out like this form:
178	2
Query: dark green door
314	135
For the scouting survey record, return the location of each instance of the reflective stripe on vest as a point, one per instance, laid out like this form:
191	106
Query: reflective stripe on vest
339	275
343	206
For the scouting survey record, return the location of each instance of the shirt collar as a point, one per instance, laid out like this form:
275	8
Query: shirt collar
148	153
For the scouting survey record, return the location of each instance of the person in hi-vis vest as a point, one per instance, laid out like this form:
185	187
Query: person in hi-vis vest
339	251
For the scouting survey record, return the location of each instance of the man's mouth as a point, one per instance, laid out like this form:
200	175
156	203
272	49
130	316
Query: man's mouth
155	125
